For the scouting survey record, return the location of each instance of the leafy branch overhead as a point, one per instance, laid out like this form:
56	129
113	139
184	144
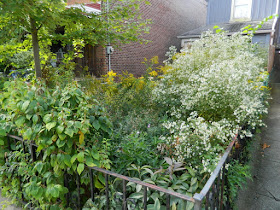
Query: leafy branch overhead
41	19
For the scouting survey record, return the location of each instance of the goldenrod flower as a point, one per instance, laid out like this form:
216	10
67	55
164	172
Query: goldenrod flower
153	73
112	74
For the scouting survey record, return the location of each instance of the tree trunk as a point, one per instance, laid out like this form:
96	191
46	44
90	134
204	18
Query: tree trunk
35	44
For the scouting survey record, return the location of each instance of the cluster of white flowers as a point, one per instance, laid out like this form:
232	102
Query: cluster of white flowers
209	91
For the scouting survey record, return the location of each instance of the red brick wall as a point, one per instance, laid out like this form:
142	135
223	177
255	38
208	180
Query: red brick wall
170	19
101	65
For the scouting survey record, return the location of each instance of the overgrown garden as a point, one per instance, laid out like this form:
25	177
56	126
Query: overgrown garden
168	127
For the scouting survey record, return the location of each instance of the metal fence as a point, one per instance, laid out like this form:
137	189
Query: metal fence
214	195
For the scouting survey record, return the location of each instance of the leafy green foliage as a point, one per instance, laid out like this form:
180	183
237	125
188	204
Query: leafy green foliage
238	175
166	128
61	123
41	18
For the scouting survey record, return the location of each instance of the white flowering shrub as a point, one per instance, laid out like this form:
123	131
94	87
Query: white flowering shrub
209	91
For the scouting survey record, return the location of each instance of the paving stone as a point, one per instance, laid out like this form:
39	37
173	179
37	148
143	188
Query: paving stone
263	192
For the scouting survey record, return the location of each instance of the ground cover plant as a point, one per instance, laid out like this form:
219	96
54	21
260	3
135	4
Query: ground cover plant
168	127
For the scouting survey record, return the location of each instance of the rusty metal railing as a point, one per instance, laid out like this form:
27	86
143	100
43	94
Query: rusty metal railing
213	190
212	196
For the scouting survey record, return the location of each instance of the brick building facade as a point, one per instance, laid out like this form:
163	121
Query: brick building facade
170	18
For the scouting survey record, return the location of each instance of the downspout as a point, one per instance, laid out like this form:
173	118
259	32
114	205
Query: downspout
271	52
108	37
274	24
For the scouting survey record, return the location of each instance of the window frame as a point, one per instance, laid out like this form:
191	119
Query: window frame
233	19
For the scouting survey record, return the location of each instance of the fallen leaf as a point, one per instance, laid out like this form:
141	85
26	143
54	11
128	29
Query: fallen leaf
265	145
237	145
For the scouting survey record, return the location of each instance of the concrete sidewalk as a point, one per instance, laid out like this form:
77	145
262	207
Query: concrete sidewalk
263	192
6	204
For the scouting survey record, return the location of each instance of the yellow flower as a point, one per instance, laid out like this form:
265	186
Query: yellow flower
153	73
154	60
264	88
140	85
112	74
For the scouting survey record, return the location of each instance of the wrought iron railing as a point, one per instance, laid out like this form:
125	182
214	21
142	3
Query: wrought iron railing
214	195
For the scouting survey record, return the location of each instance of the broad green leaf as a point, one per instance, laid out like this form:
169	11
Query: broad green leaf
2	132
62	136
97	184
191	171
89	162
59	129
50	125
69	132
25	105
35	118
47	118
78	124
136	195
80	168
74	157
101	178
20	121
138	188
193	181
28	116
95	155
157	204
2	142
54	192
60	143
58	187
67	160
81	157
190	205
40	147
96	124
70	123
54	138
39	166
182	204
27	134
154	196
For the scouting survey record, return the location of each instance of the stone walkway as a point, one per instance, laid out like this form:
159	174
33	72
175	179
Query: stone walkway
263	192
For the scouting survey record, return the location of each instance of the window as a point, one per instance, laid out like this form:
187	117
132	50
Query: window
241	9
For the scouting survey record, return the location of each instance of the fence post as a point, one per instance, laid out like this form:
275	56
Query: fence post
198	201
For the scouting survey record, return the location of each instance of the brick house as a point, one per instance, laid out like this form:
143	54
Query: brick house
170	18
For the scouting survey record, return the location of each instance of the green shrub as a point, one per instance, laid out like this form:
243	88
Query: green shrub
66	125
209	91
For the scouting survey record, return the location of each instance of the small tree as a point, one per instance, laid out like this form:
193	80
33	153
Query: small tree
41	18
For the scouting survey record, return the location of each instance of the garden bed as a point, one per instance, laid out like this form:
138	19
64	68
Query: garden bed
168	128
